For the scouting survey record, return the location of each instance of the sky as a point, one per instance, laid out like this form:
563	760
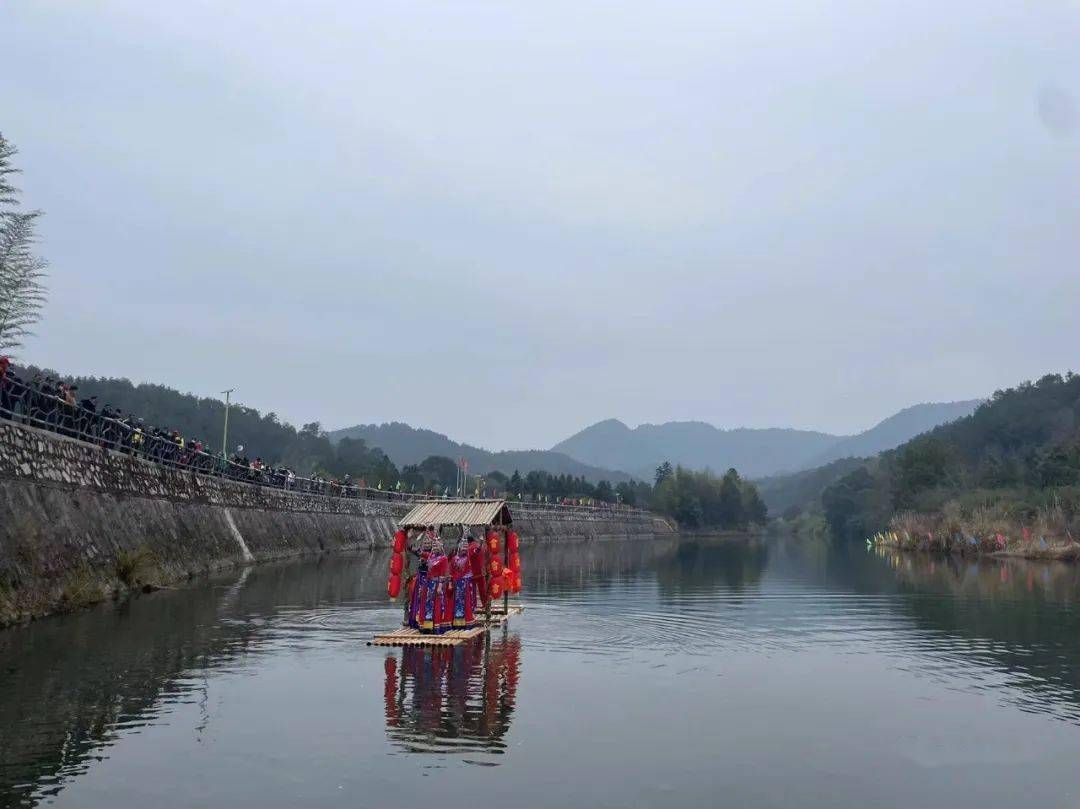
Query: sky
508	220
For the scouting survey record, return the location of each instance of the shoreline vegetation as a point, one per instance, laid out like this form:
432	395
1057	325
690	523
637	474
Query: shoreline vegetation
1004	480
984	533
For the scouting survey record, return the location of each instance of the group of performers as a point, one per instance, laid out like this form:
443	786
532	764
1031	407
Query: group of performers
447	591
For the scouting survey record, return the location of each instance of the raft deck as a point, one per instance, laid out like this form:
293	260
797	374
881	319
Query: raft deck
407	636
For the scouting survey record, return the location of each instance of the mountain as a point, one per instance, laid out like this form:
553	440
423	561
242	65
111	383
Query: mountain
754	452
1015	459
898	428
410	445
696	445
794	492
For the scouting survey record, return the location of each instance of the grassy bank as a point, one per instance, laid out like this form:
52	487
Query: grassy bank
1045	532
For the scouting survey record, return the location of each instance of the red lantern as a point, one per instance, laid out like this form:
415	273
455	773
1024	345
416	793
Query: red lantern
512	541
399	541
495	587
493	542
496	567
396	563
393	587
515	562
508	580
517	582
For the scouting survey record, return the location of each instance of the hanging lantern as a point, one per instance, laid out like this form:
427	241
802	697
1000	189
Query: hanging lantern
512	541
399	541
515	562
495	566
508	580
517	583
393	587
396	563
493	542
495	587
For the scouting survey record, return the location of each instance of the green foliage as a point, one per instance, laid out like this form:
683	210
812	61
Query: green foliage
138	567
702	500
1014	452
798	492
663	472
22	274
540	484
439	471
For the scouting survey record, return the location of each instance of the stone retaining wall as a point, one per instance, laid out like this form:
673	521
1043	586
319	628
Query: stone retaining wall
79	523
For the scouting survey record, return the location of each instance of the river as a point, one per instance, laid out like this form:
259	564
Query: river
743	673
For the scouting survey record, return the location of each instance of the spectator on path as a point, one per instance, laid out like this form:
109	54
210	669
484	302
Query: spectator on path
6	403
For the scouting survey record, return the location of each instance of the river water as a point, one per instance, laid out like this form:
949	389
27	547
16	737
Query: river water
742	673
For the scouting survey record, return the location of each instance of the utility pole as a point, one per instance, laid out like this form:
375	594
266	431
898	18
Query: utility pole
225	432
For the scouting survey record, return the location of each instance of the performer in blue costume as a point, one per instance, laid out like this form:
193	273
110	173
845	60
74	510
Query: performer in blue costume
418	583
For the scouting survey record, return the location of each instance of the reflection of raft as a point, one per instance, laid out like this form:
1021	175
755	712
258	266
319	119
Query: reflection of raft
407	636
501	565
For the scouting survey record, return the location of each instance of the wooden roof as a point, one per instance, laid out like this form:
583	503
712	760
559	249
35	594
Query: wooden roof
457	512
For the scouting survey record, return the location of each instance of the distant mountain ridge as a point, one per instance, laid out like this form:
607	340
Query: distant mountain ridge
897	429
696	445
754	452
411	445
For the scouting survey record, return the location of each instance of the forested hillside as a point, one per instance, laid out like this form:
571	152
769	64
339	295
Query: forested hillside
898	428
791	495
306	450
1016	458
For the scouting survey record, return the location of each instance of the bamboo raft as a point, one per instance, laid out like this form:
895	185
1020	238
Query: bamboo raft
407	636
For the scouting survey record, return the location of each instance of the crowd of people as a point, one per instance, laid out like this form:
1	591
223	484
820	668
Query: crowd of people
50	403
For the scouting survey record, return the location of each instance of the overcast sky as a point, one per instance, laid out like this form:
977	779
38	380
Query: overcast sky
507	220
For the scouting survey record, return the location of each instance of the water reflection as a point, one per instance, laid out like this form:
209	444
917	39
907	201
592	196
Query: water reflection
458	698
1016	618
72	685
669	617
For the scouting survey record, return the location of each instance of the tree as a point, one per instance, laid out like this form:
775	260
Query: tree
413	479
439	471
311	451
663	472
753	507
627	493
921	464
497	481
730	505
847	505
22	288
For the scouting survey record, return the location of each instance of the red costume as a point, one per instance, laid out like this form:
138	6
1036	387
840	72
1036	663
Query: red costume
476	562
464	601
437	604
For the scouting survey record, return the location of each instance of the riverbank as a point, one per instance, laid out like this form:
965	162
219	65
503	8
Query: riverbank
984	532
81	524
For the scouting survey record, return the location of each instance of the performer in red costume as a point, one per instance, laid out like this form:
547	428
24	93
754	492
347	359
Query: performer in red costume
437	605
464	615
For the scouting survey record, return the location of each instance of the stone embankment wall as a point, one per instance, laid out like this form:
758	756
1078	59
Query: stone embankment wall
79	523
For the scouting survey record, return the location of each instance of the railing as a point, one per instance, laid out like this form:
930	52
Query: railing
28	404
